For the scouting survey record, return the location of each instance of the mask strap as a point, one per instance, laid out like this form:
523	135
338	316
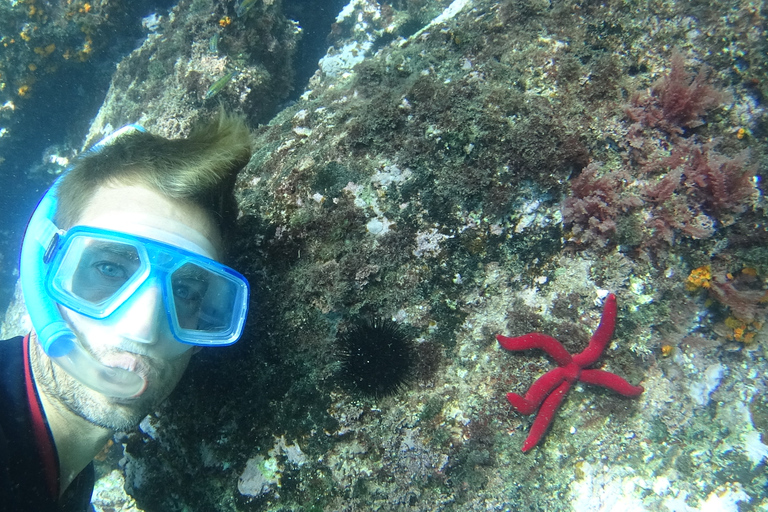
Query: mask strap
47	237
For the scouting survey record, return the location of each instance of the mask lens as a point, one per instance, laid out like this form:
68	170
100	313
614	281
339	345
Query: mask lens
203	300
99	273
95	271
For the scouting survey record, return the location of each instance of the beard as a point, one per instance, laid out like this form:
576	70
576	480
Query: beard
116	414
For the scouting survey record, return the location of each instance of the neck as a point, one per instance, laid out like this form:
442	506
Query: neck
77	440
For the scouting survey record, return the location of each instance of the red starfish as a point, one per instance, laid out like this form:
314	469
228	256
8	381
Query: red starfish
549	390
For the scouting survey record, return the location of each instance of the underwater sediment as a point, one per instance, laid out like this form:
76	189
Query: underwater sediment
467	169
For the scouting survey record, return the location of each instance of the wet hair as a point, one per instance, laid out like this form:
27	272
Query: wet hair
200	169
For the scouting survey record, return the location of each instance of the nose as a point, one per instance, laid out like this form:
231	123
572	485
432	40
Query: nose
144	318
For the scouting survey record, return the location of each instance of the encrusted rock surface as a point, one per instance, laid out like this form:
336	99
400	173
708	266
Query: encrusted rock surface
427	184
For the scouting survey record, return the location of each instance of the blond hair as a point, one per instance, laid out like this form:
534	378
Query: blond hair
200	169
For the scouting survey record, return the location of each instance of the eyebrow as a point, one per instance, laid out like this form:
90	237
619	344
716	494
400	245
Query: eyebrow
124	251
190	271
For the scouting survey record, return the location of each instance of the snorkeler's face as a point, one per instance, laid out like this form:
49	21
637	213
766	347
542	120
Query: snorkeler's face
139	338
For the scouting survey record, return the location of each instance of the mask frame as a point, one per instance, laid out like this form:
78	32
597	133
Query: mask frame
196	290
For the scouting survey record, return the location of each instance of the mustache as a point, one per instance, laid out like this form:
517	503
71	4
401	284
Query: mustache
145	364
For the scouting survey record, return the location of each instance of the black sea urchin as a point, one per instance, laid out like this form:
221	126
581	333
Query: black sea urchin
377	356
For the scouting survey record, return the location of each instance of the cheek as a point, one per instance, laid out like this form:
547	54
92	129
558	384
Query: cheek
105	335
91	333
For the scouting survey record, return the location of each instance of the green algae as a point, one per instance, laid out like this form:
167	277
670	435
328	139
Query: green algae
492	114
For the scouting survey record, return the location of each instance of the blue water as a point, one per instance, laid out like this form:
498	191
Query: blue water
57	115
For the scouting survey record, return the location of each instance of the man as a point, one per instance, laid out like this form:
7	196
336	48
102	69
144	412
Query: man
121	277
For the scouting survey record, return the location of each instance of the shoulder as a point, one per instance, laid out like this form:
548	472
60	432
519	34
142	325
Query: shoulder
12	383
21	480
12	352
5	477
14	344
17	448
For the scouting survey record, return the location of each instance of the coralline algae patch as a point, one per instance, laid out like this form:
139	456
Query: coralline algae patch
259	475
363	16
600	487
263	474
389	176
109	494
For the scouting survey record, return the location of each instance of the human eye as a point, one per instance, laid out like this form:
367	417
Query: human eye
111	261
190	284
112	264
102	269
111	270
189	290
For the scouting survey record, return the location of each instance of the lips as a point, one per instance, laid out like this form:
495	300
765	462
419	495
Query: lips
130	363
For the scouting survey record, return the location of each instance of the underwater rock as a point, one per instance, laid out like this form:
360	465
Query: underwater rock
171	79
463	137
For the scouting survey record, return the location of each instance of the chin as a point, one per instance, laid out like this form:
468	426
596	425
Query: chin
110	412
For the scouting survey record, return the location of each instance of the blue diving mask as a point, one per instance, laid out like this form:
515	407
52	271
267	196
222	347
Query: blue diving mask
100	273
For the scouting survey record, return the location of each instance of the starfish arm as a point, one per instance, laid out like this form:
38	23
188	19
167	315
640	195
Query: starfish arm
611	381
537	340
537	392
546	415
601	336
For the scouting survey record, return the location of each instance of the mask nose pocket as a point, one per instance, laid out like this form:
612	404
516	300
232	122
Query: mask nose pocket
143	317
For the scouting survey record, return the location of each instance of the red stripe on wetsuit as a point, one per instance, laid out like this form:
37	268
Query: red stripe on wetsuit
43	438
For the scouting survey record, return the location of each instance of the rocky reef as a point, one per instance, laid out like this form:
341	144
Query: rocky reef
465	169
198	57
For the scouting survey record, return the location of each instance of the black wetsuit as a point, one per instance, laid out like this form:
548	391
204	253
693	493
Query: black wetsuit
29	464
